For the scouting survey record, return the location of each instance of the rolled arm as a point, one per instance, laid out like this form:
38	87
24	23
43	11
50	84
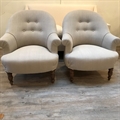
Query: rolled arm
53	42
8	43
110	41
67	42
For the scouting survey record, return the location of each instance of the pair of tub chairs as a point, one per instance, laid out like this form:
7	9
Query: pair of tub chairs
30	44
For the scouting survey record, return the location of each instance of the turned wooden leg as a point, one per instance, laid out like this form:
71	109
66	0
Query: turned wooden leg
53	76
10	78
1	116
110	72
71	74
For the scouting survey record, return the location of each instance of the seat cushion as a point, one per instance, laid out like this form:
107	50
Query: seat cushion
90	57
30	59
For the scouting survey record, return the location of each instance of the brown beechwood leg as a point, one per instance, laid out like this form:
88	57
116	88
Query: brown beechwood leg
71	74
110	72
53	76
1	116
10	78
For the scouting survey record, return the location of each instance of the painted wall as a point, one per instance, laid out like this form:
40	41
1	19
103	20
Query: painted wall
108	9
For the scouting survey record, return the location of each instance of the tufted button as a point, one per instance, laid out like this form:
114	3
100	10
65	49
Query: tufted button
28	21
93	29
32	30
87	21
40	30
77	29
36	21
85	29
23	30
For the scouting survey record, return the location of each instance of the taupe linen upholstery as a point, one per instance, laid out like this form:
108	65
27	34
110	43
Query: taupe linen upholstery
58	11
30	44
89	45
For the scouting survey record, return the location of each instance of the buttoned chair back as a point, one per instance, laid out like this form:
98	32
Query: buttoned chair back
31	27
85	27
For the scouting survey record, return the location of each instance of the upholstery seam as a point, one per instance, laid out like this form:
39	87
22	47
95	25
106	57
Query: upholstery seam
104	37
47	42
70	36
50	34
47	39
14	38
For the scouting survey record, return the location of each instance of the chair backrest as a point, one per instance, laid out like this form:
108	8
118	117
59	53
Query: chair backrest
85	27
31	27
58	11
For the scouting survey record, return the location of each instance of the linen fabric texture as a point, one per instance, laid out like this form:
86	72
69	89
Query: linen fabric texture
30	44
89	45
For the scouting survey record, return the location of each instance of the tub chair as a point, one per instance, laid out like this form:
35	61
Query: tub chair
30	44
89	45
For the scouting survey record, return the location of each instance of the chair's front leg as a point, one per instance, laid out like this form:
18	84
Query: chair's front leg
110	72
10	78
53	76
71	74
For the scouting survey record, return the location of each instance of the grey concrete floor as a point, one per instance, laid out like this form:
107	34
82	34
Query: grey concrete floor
34	97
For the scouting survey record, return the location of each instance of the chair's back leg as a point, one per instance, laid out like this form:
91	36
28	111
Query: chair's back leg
110	72
53	76
10	78
71	75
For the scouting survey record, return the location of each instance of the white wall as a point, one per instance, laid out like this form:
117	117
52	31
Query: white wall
108	9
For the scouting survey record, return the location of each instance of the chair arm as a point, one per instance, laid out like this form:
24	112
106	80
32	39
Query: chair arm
53	42
110	41
8	43
67	42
